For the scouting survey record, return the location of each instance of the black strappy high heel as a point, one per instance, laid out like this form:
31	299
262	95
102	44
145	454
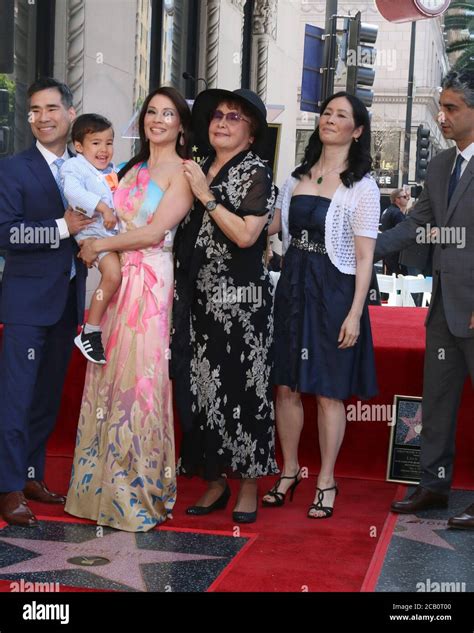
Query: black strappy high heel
328	511
280	496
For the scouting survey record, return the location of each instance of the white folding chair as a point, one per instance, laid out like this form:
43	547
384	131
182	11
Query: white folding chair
391	285
412	285
427	292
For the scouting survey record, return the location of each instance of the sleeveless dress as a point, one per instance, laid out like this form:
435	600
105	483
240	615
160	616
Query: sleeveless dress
312	300
123	474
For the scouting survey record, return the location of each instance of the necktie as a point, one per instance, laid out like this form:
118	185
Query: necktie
453	181
58	162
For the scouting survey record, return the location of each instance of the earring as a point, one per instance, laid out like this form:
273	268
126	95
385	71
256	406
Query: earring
181	139
356	140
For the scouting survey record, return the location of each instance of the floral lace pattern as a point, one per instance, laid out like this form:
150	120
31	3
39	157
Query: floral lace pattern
230	332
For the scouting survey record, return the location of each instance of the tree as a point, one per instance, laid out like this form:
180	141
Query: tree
8	84
459	28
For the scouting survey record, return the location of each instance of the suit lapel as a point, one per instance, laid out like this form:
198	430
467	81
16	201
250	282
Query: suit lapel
460	188
442	178
43	174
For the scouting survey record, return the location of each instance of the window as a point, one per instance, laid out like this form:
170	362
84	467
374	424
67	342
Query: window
302	139
174	44
385	153
26	52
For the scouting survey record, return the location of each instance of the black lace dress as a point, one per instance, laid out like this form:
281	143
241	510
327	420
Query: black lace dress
222	339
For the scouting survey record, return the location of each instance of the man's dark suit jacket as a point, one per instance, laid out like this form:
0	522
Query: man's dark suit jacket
453	262
36	276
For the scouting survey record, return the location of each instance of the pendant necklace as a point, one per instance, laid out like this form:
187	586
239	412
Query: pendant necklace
322	174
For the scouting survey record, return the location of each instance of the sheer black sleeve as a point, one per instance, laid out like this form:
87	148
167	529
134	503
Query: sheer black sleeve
260	197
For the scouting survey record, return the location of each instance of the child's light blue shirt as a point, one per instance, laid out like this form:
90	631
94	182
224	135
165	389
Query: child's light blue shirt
85	186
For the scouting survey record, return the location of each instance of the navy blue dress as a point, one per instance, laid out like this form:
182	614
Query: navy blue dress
312	300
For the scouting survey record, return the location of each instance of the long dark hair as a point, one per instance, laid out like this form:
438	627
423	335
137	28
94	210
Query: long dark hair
360	160
184	112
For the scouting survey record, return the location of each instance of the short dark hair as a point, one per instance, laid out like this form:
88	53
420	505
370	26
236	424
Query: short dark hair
88	124
238	104
461	81
43	83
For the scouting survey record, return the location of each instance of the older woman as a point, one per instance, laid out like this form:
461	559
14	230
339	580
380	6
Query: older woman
329	208
221	349
124	463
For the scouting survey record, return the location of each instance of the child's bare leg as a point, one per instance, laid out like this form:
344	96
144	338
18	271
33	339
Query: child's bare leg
109	268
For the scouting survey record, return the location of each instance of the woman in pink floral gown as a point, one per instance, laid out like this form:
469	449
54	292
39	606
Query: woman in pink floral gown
123	474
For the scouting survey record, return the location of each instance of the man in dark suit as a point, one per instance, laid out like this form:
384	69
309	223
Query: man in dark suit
446	204
393	215
42	300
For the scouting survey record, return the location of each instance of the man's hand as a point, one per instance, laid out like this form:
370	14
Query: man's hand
76	221
87	252
109	219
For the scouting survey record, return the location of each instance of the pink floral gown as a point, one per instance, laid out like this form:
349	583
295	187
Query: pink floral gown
123	474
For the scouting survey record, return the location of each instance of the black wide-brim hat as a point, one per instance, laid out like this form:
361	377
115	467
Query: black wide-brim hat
208	100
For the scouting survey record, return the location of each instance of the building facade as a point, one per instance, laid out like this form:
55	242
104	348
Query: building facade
389	108
112	53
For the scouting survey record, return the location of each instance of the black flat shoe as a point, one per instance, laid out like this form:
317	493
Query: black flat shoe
279	497
244	517
219	504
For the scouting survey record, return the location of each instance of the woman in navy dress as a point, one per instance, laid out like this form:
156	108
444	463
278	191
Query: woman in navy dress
329	211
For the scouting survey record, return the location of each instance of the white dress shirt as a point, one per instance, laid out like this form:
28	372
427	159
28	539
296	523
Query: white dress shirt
467	154
50	158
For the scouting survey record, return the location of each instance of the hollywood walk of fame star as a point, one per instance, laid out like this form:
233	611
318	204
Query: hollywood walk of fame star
421	530
120	548
413	424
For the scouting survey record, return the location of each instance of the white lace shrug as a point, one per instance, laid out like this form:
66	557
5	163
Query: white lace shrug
353	211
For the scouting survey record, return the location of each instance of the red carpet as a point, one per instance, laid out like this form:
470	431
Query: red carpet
292	553
399	340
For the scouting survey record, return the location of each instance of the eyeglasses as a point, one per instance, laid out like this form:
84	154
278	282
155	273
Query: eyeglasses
407	197
230	117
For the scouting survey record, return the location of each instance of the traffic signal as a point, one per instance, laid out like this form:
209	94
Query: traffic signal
5	135
422	152
4	102
7	30
360	59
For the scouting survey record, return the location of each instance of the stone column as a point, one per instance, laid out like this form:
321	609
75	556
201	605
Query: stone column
212	55
264	28
24	65
75	51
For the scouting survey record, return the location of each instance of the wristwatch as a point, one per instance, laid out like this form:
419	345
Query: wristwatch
211	205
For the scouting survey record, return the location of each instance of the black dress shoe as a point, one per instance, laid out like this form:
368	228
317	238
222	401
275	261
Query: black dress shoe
464	521
244	517
421	499
219	504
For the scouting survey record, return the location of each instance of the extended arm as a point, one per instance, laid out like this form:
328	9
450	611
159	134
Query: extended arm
243	230
173	207
405	233
275	226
